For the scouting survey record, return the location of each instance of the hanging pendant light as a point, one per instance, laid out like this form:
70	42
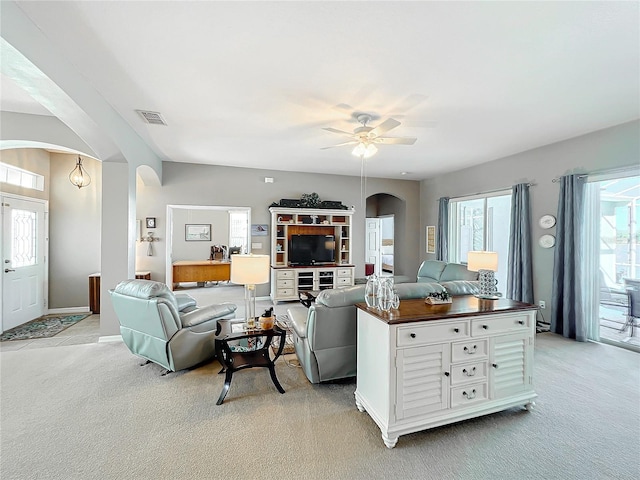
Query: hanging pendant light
79	176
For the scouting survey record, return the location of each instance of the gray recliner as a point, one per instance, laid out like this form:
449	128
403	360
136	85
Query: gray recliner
325	333
165	328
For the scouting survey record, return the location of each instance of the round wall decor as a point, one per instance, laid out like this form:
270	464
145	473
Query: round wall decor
547	221
547	241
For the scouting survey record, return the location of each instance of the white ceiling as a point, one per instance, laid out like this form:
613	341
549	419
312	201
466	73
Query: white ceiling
251	84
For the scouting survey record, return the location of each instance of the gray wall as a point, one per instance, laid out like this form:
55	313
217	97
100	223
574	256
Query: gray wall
193	184
611	148
183	250
74	227
74	221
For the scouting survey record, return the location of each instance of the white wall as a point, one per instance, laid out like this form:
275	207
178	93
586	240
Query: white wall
611	148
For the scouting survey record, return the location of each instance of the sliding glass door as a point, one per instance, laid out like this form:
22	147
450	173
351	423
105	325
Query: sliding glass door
616	203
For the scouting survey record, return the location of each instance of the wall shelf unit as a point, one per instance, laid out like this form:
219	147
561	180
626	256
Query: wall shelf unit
288	280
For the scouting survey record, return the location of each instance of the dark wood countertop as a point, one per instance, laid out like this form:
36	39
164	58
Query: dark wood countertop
416	310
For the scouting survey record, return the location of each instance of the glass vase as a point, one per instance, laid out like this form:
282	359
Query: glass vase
371	291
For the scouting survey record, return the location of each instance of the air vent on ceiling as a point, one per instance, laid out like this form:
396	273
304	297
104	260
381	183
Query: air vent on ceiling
153	118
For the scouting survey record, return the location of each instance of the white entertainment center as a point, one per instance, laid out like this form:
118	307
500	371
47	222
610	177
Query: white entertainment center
286	279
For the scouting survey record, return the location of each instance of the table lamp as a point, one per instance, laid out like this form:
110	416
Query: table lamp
485	263
250	270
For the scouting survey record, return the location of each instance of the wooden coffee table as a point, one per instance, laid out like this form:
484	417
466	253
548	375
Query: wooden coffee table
234	355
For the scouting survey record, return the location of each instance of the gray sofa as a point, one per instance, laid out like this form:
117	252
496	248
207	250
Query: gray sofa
324	334
437	271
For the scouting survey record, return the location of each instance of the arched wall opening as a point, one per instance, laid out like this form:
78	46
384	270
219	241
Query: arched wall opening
396	261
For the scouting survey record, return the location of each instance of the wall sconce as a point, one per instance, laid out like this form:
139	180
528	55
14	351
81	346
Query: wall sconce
150	238
79	176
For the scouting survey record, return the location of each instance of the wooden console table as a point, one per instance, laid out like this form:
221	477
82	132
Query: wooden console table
94	289
423	366
201	271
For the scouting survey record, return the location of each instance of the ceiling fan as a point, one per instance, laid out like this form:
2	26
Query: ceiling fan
365	138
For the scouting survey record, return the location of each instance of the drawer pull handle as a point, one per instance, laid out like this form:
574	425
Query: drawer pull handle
494	365
446	374
521	322
412	335
469	373
471	351
470	396
486	327
456	330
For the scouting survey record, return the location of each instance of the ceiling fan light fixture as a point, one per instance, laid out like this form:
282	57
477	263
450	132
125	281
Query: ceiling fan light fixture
366	150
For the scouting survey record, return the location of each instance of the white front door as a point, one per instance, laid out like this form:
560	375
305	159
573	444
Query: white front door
23	260
372	247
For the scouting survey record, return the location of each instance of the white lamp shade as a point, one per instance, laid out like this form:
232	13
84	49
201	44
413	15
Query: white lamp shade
482	261
249	269
366	150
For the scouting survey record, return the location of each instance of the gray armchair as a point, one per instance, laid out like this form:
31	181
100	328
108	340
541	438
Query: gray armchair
170	330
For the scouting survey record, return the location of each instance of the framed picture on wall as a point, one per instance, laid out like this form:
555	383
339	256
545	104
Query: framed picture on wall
151	222
431	239
259	230
200	232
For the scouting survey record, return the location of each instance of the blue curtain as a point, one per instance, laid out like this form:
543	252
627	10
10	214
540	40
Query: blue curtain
442	237
520	271
567	312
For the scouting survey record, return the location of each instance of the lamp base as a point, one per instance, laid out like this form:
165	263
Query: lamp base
488	282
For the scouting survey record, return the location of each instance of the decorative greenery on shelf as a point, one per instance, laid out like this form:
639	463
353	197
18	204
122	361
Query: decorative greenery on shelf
309	200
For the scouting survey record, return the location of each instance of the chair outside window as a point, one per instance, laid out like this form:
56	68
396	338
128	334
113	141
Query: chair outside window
633	312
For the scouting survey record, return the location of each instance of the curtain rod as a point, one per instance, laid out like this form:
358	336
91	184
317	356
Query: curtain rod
557	179
489	191
629	169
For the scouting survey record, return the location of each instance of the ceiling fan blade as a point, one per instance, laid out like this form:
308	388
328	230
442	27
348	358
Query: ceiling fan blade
409	103
385	126
340	132
395	140
340	144
420	124
343	107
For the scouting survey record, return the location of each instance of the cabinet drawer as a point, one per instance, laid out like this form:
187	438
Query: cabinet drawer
469	351
489	326
343	281
421	334
469	372
462	396
285	274
285	292
344	272
285	283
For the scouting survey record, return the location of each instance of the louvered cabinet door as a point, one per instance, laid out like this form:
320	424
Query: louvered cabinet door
422	384
510	361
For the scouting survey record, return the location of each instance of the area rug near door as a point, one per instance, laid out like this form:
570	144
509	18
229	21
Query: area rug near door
43	327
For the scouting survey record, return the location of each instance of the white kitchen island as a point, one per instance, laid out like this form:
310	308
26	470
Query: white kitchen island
423	366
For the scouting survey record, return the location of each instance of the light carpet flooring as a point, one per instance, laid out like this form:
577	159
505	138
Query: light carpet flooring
89	411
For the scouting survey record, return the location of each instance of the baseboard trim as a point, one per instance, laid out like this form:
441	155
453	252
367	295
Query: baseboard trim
68	310
110	339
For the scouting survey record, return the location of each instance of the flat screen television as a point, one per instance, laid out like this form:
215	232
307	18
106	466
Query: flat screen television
312	249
